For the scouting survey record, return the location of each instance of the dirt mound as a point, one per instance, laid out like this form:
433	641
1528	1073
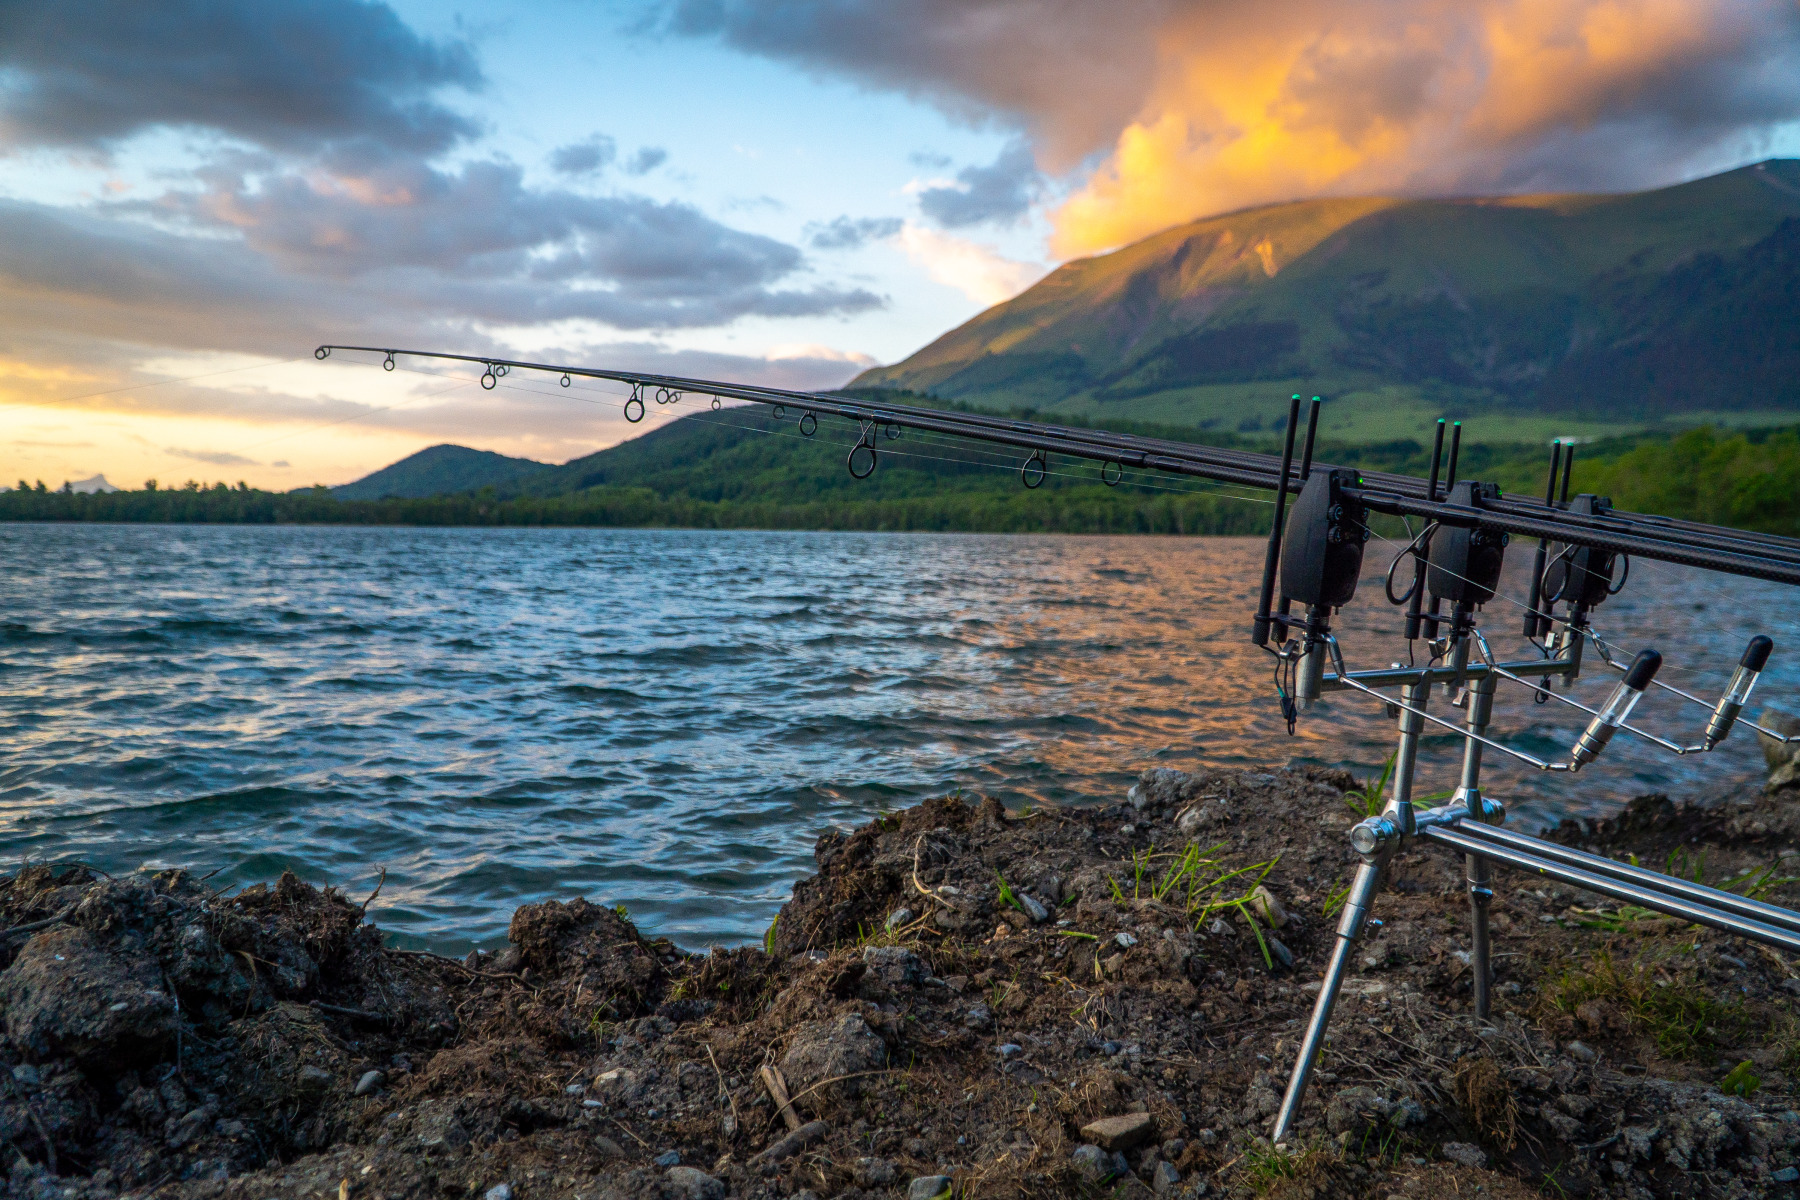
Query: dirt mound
1056	1003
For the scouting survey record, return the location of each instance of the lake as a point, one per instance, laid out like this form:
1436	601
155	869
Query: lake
668	719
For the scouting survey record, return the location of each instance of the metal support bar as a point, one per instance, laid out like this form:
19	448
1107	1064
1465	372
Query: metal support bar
1480	877
1708	911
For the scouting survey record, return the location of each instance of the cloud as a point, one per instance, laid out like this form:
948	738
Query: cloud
217	458
285	74
852	233
591	154
976	269
1191	107
646	160
1001	192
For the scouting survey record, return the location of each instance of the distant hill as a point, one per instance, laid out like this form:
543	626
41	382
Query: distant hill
438	471
1541	314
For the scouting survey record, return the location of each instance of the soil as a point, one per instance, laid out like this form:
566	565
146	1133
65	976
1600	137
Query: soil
947	1004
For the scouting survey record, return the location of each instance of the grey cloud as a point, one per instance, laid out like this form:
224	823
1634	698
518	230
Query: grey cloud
1001	191
480	240
646	160
217	458
585	157
851	233
1071	72
286	74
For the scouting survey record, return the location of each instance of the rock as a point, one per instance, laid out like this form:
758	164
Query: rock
1279	953
928	1187
668	1158
691	1183
1359	1111
473	960
193	1125
27	1075
1010	1050
899	917
370	1083
500	1191
1165	1179
1124	940
1120	1133
1463	1154
809	1134
1580	1052
66	994
1785	1175
875	1172
608	1147
1098	1164
507	961
1264	904
978	1018
1783	758
894	965
1033	909
314	1081
829	1049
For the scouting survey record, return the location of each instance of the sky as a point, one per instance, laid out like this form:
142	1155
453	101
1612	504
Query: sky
195	193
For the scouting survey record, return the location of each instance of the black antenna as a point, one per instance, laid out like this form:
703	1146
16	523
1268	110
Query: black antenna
1568	471
1312	429
1259	631
1414	605
1535	624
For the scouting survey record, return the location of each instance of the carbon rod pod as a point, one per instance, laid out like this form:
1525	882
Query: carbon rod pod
1534	624
1259	633
1417	603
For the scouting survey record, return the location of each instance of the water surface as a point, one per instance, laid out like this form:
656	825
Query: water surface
667	719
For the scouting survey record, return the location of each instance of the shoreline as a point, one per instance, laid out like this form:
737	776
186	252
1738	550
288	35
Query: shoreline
1066	1002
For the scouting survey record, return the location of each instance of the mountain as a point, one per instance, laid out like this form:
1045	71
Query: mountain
1574	314
437	471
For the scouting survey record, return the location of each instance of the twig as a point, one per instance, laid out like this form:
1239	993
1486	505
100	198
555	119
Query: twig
729	1098
355	1014
452	962
634	1137
364	910
840	1078
34	926
771	1078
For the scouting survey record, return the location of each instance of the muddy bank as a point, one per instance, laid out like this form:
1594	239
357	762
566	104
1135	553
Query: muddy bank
962	1000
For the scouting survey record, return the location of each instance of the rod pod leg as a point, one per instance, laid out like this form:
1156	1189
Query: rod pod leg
1398	813
1350	927
1479	871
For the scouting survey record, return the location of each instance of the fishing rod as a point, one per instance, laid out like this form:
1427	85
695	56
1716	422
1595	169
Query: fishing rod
1313	563
1707	547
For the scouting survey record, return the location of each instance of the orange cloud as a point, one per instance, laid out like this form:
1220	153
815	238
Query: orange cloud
1252	106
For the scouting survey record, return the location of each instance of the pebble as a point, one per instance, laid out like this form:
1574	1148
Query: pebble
978	1018
668	1158
1165	1179
1463	1154
500	1191
608	1147
928	1187
1033	909
1110	1048
695	1184
1786	1175
899	917
28	1075
874	1172
371	1083
1099	1164
1579	1052
1124	940
574	1089
1011	1050
1126	1132
1266	906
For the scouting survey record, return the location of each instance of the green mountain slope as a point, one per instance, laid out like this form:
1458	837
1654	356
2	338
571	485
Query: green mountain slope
438	471
1542	314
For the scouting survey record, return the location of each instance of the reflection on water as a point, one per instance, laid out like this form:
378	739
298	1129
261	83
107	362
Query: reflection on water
668	719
